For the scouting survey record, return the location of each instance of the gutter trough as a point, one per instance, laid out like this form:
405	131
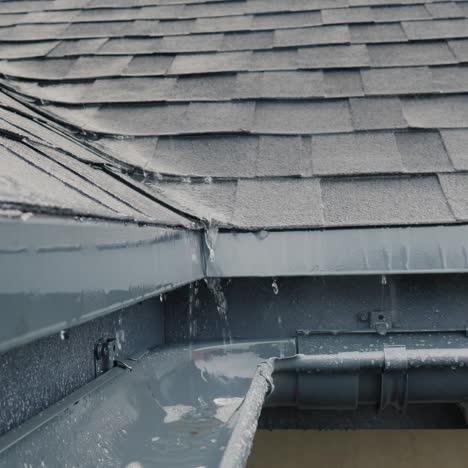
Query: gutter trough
198	405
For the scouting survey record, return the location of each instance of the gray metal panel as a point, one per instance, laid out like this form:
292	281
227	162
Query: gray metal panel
433	249
39	374
279	307
57	273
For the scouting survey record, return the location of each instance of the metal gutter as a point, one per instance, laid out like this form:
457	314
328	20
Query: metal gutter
240	443
358	251
177	408
56	273
398	376
198	405
34	424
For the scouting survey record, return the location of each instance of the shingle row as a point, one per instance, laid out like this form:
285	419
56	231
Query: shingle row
340	11
415	30
40	177
335	15
270	117
234	156
36	180
297	203
306	58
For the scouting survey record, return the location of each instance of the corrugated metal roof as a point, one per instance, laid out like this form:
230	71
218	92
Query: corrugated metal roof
251	114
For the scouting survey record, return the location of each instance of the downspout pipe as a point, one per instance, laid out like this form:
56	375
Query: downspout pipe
393	376
388	359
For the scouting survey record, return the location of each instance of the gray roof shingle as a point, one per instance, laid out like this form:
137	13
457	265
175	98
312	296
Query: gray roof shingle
312	36
456	143
439	29
376	113
366	34
278	203
355	153
252	114
376	201
436	112
394	55
455	187
312	117
404	80
423	151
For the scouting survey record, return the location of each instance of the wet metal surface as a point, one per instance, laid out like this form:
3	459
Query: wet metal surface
177	408
429	249
41	373
55	274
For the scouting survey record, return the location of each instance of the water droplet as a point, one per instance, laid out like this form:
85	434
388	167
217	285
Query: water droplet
384	280
275	287
64	335
208	180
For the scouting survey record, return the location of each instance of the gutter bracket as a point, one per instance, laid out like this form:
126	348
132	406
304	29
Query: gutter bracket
105	356
381	322
394	378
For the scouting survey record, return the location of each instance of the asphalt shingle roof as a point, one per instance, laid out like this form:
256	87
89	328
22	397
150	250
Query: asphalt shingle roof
251	114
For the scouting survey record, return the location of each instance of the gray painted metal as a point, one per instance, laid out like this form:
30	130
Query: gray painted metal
58	273
281	307
428	249
240	443
61	363
394	376
449	364
177	408
198	405
16	435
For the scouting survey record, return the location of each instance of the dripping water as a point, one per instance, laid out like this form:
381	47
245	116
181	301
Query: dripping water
383	284
215	287
279	318
274	286
211	234
193	291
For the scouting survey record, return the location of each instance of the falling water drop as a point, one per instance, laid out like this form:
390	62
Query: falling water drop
216	289
274	286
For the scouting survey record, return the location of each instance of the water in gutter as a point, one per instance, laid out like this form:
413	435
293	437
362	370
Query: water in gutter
177	408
